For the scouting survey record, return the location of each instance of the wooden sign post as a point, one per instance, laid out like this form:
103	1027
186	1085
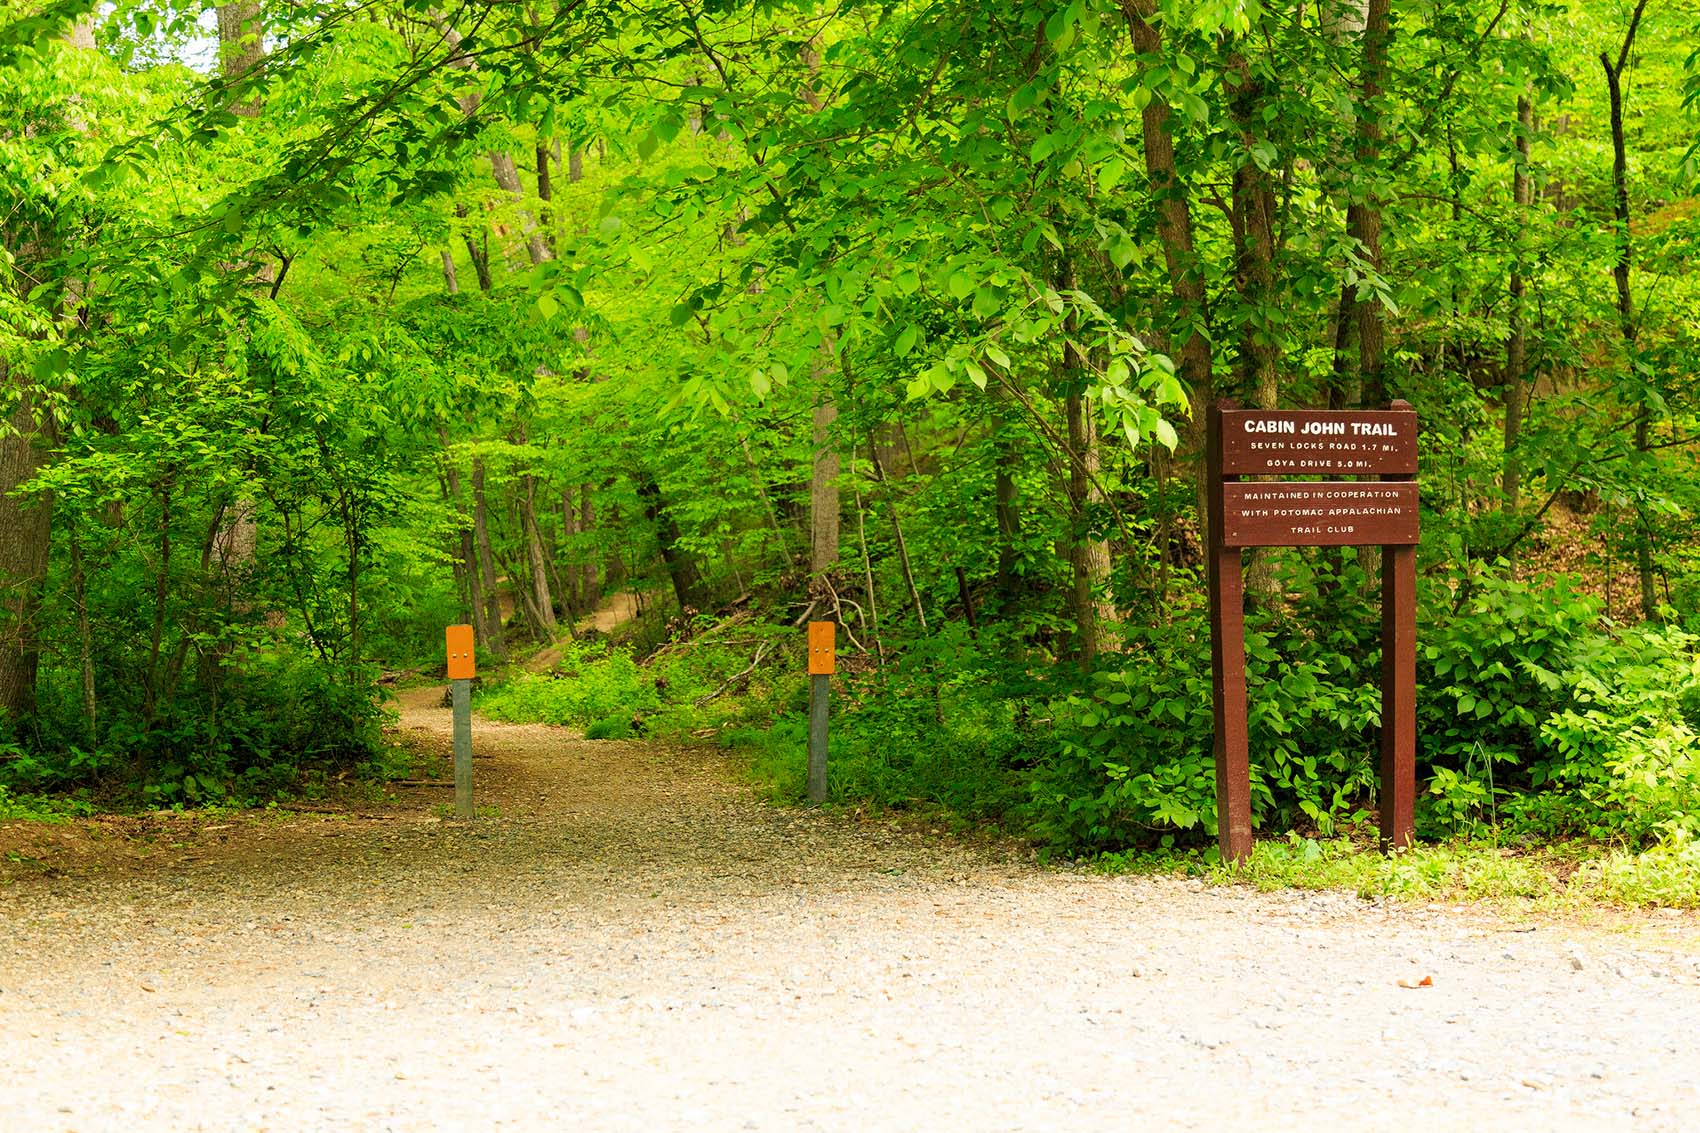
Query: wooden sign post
822	664
461	671
1313	513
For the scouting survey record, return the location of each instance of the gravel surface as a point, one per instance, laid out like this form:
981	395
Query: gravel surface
635	942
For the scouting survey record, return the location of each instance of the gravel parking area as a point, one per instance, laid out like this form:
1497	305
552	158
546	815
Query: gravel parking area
634	941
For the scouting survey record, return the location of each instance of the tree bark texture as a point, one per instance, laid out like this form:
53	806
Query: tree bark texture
681	568
1363	218
26	525
1175	232
1088	554
1253	208
536	560
1006	503
241	46
506	173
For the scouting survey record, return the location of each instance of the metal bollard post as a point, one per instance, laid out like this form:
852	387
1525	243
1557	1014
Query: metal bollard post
822	664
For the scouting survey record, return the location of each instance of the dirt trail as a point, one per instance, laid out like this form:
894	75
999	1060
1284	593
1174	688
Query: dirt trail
634	941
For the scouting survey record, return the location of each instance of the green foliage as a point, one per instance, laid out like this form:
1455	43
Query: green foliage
590	683
278	717
604	690
15	807
1667	875
1133	758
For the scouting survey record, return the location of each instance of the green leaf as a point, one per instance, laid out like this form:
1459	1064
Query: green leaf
53	362
1110	173
906	340
961	284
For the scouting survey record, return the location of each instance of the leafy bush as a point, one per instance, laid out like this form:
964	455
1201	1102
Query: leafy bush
591	683
40	808
1625	746
949	723
1134	759
595	685
1493	670
275	714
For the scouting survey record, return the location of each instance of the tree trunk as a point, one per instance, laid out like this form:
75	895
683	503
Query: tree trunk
681	568
487	563
897	531
536	561
1253	208
85	640
867	566
823	486
241	46
451	281
26	526
589	584
466	548
1625	300
567	579
502	168
545	193
1089	555
478	252
1516	343
1006	504
1175	232
1363	218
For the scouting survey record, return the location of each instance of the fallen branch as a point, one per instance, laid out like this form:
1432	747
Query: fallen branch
744	676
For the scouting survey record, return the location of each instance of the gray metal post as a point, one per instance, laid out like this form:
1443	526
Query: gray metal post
463	748
819	690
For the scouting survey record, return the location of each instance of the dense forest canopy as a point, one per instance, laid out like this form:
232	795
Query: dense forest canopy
373	317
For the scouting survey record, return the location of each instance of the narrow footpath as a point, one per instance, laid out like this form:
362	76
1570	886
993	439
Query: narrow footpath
630	939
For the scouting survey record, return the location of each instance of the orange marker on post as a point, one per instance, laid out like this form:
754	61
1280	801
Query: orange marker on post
823	662
462	668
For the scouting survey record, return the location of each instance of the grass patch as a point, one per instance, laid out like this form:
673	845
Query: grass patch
1559	875
26	807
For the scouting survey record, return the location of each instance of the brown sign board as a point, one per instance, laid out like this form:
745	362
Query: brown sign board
1377	442
460	653
1327	513
1260	513
822	648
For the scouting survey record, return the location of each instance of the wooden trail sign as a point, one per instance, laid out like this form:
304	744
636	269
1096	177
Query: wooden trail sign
1313	513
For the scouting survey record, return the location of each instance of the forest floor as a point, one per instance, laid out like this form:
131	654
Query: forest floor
631	939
